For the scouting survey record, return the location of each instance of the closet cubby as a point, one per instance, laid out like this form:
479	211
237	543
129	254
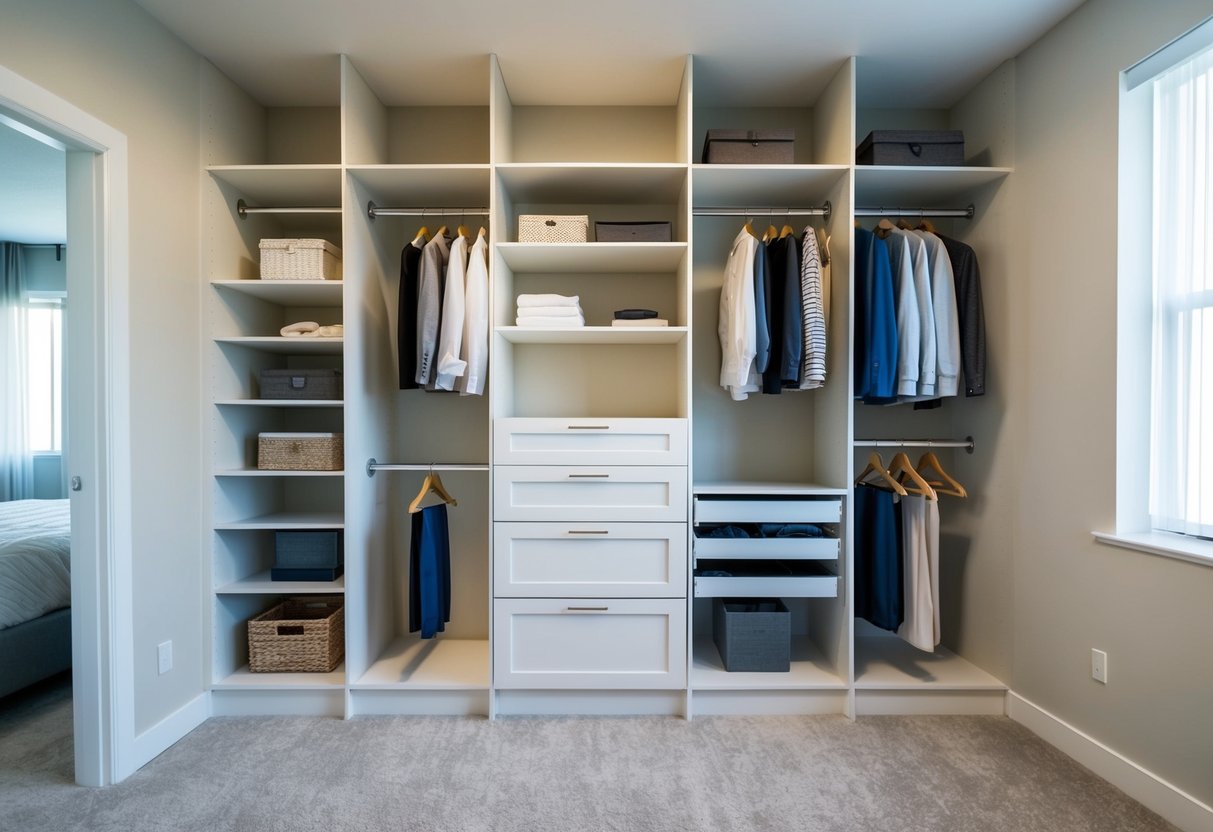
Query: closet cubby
230	656
243	559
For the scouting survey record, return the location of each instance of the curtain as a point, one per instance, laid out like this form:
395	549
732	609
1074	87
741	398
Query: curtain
1181	458
16	461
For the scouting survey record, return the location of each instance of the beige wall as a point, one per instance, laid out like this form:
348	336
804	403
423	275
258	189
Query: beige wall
1153	616
109	58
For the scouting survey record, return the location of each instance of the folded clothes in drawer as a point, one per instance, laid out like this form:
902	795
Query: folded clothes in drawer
735	530
764	578
807	541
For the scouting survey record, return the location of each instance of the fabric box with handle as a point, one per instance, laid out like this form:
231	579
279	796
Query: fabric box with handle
632	232
544	228
300	451
912	147
752	634
318	384
312	555
300	259
775	146
299	635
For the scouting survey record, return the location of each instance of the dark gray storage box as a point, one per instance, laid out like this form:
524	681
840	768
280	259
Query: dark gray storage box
912	147
752	634
632	232
308	555
774	146
301	384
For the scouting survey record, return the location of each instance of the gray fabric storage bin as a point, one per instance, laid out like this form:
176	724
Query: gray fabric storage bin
301	384
752	634
632	232
308	555
774	146
912	147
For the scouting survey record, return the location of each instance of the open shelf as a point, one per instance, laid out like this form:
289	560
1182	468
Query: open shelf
563	258
288	292
912	186
425	186
261	584
244	679
594	335
580	183
888	663
284	186
810	670
264	472
288	520
287	346
280	403
740	186
430	664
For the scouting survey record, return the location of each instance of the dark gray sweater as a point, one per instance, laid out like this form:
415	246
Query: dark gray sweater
970	314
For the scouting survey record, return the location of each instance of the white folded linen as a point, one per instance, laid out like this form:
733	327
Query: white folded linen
297	329
640	322
548	300
550	323
549	312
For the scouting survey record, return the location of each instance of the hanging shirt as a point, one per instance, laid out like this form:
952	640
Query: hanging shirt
920	273
429	307
875	321
909	321
967	277
918	625
735	325
406	316
450	366
943	304
476	320
813	314
791	340
762	313
879	594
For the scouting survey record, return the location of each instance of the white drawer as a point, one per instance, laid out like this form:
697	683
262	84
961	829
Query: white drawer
794	579
608	643
582	441
766	548
555	493
767	510
579	560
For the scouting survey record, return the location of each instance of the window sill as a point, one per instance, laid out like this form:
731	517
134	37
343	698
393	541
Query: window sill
1162	543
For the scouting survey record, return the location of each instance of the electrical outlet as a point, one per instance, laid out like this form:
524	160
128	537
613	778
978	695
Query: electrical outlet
1099	666
164	656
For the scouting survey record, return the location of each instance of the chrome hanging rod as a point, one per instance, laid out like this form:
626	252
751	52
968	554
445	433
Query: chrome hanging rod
372	466
373	210
243	209
967	443
964	213
767	211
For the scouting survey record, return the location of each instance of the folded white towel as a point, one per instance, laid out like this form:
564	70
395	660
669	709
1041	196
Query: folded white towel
331	331
550	323
547	300
300	328
549	312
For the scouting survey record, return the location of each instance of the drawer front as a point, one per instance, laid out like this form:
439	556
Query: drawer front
780	586
608	643
553	493
767	548
590	441
579	560
767	510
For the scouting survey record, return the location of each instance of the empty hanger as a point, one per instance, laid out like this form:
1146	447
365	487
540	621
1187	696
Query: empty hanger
940	480
431	483
882	476
910	480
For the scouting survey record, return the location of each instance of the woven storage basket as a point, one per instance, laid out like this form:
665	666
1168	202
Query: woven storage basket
542	228
300	259
301	451
303	635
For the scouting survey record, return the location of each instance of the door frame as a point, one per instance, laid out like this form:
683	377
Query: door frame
98	264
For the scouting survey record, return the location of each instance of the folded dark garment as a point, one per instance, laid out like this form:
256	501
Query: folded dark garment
790	530
727	531
634	314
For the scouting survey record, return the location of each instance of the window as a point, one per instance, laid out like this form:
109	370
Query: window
45	374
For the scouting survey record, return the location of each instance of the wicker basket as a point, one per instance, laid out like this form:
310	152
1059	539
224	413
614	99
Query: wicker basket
301	635
302	259
300	451
542	228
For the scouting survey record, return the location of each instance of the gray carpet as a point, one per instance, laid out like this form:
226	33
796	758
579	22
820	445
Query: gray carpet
886	774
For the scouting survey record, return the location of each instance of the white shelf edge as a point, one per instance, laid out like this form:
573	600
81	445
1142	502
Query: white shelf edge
472	654
805	673
262	584
258	472
280	403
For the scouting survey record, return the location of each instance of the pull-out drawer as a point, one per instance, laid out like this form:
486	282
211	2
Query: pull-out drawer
764	509
580	441
610	494
764	579
764	548
607	643
580	560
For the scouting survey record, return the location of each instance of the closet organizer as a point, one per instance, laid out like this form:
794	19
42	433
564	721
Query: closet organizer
591	473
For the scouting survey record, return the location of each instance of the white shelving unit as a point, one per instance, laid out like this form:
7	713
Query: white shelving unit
374	172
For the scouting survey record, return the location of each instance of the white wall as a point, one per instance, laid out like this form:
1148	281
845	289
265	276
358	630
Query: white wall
109	58
1153	616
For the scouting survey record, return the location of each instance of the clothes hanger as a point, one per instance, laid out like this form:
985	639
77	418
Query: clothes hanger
903	469
929	465
883	477
749	227
441	231
786	231
926	225
904	224
431	483
771	233
462	230
884	227
422	236
483	232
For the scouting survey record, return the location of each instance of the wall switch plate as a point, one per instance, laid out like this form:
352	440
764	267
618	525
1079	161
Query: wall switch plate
1099	666
164	656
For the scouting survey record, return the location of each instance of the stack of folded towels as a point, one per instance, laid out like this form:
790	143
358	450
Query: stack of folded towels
551	311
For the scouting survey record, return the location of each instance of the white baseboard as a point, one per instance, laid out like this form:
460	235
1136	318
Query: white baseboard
1174	804
154	741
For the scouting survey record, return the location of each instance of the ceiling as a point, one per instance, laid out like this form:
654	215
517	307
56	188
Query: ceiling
33	189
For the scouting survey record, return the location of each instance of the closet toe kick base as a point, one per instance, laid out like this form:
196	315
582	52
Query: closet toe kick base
930	702
769	702
591	703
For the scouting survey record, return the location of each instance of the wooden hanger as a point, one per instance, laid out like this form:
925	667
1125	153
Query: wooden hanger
483	232
904	225
926	225
463	231
943	483
876	474
884	227
431	483
786	231
441	231
749	227
903	470
421	237
772	233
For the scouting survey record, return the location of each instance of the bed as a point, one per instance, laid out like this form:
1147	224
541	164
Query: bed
35	591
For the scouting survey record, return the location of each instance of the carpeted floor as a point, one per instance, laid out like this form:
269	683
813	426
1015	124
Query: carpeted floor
743	774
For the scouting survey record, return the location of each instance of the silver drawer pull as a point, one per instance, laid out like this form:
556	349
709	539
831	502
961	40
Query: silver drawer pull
589	427
588	476
586	531
587	609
